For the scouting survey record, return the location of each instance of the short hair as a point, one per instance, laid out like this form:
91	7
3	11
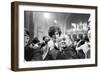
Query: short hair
54	29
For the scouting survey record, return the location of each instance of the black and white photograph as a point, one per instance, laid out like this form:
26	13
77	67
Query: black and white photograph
56	36
53	36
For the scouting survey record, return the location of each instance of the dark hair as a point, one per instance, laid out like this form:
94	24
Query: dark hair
44	37
54	29
86	38
35	40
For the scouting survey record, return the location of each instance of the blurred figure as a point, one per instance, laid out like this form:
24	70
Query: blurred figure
46	39
64	41
44	47
54	34
67	52
83	47
26	37
27	52
33	51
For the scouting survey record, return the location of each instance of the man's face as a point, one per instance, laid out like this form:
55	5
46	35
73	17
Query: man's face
62	42
26	38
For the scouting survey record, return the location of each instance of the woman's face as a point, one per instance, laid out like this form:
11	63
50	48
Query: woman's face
56	35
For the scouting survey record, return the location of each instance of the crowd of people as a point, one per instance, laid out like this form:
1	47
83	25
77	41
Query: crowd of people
56	46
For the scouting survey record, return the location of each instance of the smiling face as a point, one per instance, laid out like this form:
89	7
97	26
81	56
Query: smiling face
64	41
